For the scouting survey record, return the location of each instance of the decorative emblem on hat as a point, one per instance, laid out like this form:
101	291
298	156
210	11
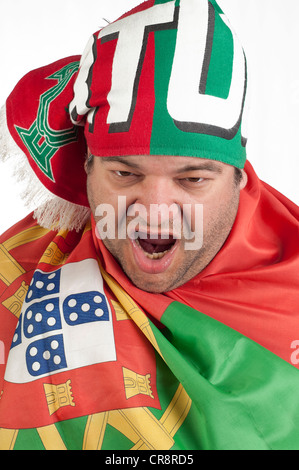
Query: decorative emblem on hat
41	140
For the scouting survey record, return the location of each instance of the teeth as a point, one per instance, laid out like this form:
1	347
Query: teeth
156	255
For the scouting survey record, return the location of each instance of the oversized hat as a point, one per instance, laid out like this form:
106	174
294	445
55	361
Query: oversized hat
167	78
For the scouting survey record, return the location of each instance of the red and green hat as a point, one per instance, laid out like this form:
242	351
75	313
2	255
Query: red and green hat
167	78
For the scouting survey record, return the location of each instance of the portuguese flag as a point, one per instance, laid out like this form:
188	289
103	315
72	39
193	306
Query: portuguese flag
91	362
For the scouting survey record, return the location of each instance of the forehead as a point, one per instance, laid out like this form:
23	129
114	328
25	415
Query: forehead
163	164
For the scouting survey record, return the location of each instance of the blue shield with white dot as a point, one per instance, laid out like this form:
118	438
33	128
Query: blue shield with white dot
85	308
46	355
43	284
42	317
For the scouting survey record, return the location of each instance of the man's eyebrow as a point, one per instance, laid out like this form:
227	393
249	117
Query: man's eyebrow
203	167
120	160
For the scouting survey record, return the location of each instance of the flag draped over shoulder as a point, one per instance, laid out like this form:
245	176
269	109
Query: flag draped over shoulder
92	362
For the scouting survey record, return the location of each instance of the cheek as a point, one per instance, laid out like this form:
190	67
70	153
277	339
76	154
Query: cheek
92	194
97	191
221	216
109	208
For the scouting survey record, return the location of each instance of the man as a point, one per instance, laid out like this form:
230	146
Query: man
166	318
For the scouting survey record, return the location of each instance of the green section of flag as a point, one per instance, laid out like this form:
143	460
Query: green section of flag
72	432
28	439
243	396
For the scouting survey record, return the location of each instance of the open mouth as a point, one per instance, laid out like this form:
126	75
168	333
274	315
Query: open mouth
154	253
155	248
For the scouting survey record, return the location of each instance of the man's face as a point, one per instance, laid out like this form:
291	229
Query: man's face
154	253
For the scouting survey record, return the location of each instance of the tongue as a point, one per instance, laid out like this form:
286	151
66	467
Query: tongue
155	246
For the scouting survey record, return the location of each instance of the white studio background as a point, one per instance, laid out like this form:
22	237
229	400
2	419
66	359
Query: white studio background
35	33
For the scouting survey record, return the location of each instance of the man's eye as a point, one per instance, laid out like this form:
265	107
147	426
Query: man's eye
194	180
124	173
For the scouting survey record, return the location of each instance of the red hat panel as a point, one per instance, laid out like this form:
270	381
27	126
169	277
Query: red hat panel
38	120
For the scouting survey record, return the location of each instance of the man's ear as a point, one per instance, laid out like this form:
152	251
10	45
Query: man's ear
244	180
86	165
88	162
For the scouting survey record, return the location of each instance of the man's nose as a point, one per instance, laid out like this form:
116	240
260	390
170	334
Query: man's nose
157	190
158	200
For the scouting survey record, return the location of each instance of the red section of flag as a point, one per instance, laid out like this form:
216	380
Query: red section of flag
82	391
93	389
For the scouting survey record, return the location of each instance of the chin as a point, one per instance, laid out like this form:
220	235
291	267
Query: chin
148	284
